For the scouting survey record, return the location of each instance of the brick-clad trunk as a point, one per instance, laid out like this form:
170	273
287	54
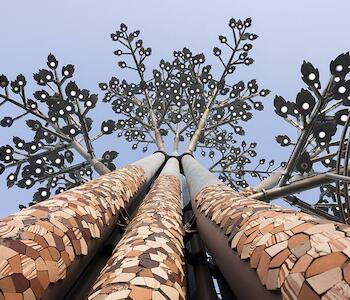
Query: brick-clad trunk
42	245
148	262
293	255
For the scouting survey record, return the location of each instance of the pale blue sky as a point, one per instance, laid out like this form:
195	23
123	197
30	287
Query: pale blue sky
78	32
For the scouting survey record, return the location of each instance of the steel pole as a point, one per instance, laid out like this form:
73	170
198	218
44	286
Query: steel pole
45	248
201	286
98	166
82	286
148	262
293	188
266	251
242	280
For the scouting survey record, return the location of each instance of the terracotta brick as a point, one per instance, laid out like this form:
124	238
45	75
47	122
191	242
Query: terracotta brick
324	281
41	253
302	264
297	240
292	286
154	240
263	267
307	293
256	255
299	245
279	259
325	263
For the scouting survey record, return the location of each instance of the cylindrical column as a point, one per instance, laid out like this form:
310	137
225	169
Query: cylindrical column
148	262
200	282
44	248
264	249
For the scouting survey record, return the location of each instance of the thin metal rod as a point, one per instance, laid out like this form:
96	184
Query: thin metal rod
195	138
99	167
266	191
338	165
295	187
308	208
298	149
338	177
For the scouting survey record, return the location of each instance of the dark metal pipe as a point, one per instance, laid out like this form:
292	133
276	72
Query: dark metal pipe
308	208
293	188
201	286
242	279
338	177
268	183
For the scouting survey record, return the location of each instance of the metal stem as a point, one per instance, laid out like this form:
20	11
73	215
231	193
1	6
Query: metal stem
295	187
99	167
247	284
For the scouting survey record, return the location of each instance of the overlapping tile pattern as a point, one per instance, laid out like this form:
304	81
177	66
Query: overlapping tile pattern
302	256
148	261
38	244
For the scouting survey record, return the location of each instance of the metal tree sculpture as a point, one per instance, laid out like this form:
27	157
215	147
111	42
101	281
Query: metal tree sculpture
183	99
60	123
318	116
180	98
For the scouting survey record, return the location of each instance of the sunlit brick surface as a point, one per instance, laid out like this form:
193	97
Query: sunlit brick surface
148	262
303	256
38	244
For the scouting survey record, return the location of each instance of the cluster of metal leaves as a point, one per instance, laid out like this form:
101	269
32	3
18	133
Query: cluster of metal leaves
57	115
170	101
232	169
322	116
311	107
179	91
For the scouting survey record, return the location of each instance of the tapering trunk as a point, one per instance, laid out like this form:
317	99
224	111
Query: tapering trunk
199	278
176	138
157	135
195	138
98	166
264	250
44	248
148	262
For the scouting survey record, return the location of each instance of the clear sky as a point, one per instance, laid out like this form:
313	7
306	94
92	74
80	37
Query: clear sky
78	32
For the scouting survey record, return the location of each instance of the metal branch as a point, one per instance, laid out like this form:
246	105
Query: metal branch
195	138
176	138
296	187
158	136
303	138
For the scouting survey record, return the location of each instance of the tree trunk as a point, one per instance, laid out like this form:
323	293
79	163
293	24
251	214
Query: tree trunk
266	250
200	285
98	166
44	248
197	134
148	261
